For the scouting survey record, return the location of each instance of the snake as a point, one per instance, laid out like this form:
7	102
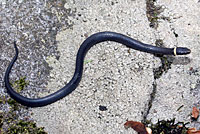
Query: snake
82	51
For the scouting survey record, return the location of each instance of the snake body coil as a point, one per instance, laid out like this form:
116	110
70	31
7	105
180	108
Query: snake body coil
86	45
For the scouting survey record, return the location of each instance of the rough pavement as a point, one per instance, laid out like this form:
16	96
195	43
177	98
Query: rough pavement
107	80
119	83
119	78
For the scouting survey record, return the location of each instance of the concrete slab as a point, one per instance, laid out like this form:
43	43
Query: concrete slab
116	77
179	86
118	83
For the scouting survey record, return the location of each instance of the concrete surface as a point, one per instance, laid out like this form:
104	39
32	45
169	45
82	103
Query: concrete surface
107	80
117	79
121	79
180	85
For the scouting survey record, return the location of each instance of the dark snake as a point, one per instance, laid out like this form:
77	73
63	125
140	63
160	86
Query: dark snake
85	46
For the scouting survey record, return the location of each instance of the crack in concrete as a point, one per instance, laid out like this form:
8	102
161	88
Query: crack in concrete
152	97
152	12
166	62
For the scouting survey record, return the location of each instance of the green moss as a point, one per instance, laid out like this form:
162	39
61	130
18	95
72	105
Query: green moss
20	84
13	123
10	118
1	101
25	127
167	127
153	13
16	126
15	105
87	61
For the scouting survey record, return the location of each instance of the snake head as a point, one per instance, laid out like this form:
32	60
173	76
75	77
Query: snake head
182	51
